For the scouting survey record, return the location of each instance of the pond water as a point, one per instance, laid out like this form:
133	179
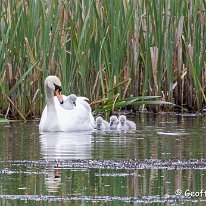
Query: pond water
164	161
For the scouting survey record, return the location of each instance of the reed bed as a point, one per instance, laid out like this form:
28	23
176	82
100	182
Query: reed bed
107	50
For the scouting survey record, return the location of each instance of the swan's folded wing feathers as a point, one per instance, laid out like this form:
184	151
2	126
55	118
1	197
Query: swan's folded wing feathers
83	98
83	101
79	118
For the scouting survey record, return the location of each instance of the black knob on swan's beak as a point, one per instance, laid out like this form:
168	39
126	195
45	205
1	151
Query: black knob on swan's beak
57	87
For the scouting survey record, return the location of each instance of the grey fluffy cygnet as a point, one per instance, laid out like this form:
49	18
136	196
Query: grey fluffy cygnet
125	124
69	102
101	124
113	122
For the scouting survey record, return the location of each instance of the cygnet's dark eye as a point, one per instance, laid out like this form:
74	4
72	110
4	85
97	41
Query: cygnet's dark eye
57	87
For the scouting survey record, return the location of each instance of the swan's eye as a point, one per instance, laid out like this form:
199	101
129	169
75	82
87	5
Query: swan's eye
57	87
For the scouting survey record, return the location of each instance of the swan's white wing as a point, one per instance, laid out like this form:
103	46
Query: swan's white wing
83	98
77	119
83	101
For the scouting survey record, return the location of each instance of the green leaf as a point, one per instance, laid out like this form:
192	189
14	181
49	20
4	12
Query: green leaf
3	120
20	80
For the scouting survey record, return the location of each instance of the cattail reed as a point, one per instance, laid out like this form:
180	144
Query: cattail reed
106	50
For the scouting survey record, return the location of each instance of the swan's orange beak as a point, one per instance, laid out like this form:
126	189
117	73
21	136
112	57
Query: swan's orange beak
59	96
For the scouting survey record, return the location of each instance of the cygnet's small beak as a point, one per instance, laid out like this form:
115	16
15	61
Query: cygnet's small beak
74	103
59	96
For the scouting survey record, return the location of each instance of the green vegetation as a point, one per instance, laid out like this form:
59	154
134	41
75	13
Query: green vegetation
2	120
106	50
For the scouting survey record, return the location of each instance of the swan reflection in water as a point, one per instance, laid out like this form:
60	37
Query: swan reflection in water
59	146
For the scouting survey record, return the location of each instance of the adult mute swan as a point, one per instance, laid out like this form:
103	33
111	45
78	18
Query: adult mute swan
63	113
125	124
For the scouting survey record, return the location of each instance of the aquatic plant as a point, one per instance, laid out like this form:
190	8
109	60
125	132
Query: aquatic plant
3	120
105	50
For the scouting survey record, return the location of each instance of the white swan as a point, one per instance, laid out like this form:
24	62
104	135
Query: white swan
63	113
125	124
101	124
113	121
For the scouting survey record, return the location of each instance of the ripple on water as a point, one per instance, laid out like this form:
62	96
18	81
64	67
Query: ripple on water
173	133
116	160
143	199
114	164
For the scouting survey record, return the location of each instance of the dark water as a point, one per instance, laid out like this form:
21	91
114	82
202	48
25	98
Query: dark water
165	156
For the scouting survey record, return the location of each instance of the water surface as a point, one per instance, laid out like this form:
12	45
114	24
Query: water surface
164	161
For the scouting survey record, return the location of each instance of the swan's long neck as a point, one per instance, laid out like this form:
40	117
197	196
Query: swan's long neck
52	122
49	96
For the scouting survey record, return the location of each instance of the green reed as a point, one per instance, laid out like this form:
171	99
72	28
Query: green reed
106	50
